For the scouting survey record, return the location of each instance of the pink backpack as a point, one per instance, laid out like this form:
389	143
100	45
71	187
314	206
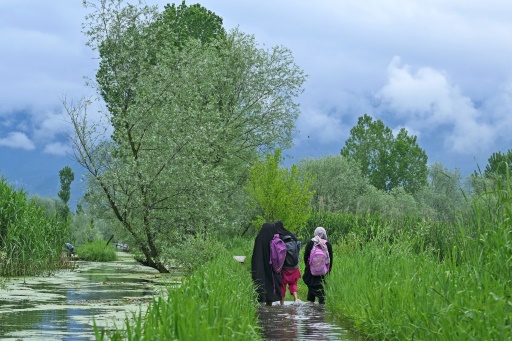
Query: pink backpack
317	261
277	253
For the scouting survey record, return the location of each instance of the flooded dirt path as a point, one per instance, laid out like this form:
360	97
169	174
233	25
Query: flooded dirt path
304	321
64	306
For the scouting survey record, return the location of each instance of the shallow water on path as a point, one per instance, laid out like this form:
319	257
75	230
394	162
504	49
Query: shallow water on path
64	306
304	321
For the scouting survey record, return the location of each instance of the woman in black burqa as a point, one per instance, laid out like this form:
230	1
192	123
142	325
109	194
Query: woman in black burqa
268	283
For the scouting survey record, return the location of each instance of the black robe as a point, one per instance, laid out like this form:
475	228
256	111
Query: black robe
268	283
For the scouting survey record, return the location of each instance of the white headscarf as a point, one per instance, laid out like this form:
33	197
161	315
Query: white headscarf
320	232
318	239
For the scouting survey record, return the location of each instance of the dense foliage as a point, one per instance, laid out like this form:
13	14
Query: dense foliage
387	161
339	183
499	164
217	302
66	177
191	108
96	251
405	293
31	242
278	193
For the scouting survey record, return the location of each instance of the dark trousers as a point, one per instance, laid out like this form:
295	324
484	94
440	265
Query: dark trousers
316	291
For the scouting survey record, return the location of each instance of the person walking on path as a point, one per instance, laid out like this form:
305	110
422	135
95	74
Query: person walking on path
315	283
290	274
267	282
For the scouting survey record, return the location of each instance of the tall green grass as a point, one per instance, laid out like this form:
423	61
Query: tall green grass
429	235
392	291
96	251
30	243
216	302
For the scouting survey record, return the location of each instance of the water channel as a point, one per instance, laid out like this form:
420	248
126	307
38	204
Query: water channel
66	305
304	321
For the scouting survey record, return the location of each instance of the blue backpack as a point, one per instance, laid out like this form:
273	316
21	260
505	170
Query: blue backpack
277	253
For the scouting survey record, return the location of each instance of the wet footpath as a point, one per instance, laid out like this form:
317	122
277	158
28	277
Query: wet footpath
65	306
304	321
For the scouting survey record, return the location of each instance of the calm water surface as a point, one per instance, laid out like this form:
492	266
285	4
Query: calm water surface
66	305
301	322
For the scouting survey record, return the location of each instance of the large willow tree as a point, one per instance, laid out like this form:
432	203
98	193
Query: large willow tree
189	107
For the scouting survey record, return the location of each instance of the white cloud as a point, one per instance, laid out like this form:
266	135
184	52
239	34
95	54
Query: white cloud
51	125
427	100
57	148
46	54
317	127
499	110
17	140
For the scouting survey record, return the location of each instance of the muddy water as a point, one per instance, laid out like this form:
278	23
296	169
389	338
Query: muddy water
304	321
65	306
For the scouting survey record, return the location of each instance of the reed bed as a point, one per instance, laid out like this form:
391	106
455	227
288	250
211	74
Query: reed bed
391	291
30	243
216	302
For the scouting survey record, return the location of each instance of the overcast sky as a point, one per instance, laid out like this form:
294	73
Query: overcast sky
442	69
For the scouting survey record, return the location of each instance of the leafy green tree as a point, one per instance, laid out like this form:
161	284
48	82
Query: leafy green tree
443	197
408	163
66	177
388	162
189	117
338	183
498	163
53	207
278	193
190	22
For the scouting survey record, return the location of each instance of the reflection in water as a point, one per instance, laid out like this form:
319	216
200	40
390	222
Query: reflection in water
62	307
300	322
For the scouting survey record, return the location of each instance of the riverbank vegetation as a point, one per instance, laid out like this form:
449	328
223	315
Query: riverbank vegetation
427	280
96	251
216	302
31	242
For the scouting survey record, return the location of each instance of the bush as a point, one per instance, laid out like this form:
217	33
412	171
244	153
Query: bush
97	251
193	251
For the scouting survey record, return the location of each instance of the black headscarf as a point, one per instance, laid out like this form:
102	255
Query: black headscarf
268	283
282	231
